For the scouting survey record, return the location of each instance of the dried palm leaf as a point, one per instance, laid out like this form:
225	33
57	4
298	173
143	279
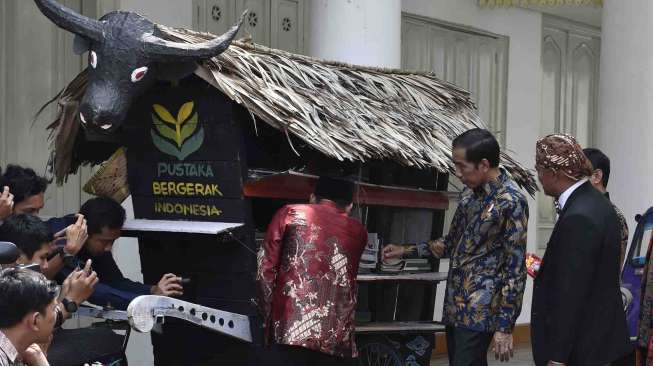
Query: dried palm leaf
344	111
111	179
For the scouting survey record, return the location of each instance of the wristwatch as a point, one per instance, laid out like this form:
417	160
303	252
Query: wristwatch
67	258
69	305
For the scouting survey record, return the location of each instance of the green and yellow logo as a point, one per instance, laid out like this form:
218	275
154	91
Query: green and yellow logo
178	137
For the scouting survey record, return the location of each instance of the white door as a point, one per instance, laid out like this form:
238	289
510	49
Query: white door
570	71
471	59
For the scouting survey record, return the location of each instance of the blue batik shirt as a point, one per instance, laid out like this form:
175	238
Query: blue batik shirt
486	245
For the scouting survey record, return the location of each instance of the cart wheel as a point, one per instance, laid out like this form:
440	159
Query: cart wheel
377	351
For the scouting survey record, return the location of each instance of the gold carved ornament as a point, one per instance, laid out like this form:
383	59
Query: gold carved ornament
505	3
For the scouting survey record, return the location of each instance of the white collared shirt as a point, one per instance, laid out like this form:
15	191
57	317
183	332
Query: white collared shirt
8	353
562	200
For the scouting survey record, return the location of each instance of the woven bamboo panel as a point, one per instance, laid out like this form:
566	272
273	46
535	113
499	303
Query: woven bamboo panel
111	179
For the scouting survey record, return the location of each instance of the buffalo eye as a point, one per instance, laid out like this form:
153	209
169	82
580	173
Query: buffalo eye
139	74
92	59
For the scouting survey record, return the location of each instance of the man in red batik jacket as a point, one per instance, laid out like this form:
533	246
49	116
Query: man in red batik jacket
307	270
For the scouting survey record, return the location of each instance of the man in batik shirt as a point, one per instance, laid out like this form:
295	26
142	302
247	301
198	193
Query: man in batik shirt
486	244
307	269
599	179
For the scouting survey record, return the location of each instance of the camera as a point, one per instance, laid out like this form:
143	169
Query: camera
32	267
9	253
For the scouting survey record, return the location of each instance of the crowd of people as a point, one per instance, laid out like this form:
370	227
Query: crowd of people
74	265
308	263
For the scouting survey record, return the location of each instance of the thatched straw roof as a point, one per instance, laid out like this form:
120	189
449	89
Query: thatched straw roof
346	112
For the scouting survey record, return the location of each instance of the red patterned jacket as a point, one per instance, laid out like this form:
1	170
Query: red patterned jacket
306	278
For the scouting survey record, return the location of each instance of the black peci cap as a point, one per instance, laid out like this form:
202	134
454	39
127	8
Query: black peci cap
335	189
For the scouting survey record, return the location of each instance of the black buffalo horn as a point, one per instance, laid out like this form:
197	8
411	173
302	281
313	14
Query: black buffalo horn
71	20
163	50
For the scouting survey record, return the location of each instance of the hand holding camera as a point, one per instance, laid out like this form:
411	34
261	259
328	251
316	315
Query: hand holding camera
75	235
6	203
80	284
169	285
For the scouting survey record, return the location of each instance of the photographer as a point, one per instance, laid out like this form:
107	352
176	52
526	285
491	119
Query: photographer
28	303
23	192
27	189
33	239
31	236
73	238
105	218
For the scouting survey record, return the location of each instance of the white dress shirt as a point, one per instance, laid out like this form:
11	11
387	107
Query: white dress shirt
562	200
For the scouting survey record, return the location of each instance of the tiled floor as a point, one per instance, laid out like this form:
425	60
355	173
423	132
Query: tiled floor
523	357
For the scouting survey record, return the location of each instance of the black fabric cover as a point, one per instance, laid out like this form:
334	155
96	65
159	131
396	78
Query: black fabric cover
334	189
72	347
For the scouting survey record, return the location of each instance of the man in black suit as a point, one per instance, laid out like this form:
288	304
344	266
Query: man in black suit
577	316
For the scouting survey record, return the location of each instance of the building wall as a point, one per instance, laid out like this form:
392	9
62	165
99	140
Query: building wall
32	70
524	29
625	113
177	13
28	77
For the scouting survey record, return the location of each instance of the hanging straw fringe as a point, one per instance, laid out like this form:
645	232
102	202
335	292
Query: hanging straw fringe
344	111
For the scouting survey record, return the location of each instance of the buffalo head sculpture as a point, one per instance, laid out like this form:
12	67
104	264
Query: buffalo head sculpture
125	57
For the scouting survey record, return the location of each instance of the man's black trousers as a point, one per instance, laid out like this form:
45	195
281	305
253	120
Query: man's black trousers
467	347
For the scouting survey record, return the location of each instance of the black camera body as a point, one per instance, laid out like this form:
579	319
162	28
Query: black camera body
9	252
32	267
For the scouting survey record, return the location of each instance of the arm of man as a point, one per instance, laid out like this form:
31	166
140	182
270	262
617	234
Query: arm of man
571	271
75	236
78	287
440	248
443	247
513	278
109	273
105	295
169	285
268	265
513	271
